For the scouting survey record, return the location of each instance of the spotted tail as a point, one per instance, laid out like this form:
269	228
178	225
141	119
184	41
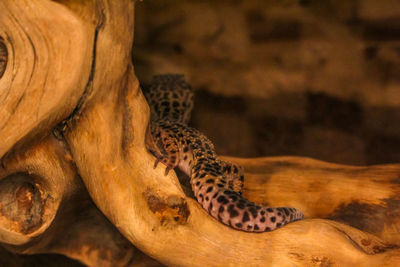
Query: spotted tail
229	207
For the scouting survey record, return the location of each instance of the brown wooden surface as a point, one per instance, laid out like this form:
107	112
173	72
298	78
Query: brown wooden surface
367	198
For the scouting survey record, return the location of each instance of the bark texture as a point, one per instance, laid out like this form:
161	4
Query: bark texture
74	122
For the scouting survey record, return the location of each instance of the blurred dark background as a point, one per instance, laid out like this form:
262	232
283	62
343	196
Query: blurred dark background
308	78
280	77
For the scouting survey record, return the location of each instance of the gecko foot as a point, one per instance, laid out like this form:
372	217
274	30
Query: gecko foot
169	164
234	175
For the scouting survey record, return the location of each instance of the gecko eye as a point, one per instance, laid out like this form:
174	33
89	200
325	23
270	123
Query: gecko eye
3	56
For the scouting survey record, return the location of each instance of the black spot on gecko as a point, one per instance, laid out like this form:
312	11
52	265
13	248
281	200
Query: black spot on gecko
256	227
253	212
240	206
239	225
232	212
286	211
273	219
207	165
235	169
270	210
209	189
233	198
246	217
221	199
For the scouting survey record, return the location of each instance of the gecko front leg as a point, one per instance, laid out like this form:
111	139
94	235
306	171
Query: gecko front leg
166	141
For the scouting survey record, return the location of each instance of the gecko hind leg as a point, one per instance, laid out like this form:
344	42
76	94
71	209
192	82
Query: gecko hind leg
234	175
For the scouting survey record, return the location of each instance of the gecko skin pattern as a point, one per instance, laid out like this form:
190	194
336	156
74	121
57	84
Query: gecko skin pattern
217	184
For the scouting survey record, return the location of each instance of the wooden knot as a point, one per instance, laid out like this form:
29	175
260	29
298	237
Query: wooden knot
21	205
169	210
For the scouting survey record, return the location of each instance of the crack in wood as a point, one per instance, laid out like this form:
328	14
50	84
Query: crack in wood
3	57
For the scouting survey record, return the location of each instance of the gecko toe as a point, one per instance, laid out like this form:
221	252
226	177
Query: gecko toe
167	169
156	163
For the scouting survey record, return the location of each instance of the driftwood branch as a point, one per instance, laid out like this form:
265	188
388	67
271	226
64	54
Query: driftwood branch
44	208
78	55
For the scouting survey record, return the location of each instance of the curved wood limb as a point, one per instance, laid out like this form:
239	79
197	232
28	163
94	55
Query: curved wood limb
44	208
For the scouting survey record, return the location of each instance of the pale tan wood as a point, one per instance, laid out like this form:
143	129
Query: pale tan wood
44	208
46	57
105	144
48	66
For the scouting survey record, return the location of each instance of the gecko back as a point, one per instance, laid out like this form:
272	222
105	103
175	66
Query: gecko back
170	98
